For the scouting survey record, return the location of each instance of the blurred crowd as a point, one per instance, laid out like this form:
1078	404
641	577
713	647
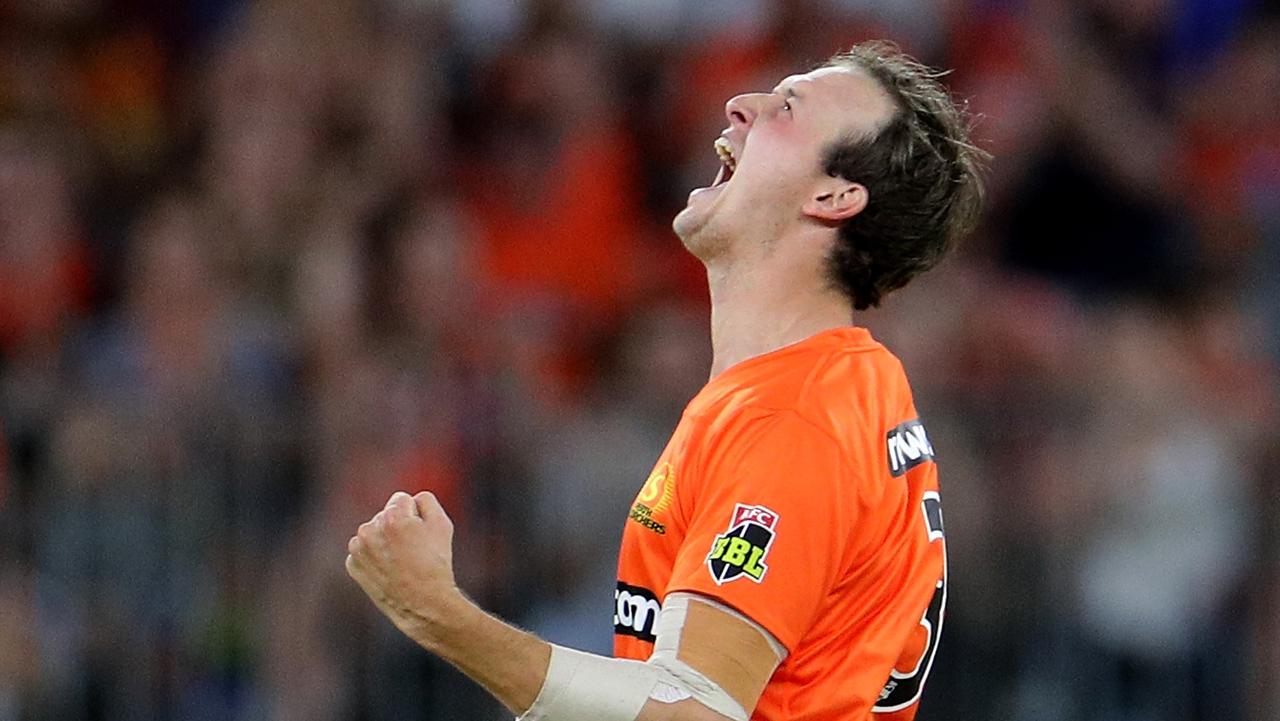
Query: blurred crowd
263	262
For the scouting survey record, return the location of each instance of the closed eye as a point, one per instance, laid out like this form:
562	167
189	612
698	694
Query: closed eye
788	94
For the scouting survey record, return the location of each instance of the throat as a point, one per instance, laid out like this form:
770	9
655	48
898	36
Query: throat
754	313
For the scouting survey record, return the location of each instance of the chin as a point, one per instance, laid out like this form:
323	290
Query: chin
704	225
686	224
690	225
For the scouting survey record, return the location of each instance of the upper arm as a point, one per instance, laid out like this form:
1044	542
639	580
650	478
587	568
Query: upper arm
765	543
729	649
770	529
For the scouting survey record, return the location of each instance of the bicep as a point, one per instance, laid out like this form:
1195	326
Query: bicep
730	650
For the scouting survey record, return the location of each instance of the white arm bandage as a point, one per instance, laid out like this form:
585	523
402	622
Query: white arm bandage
586	687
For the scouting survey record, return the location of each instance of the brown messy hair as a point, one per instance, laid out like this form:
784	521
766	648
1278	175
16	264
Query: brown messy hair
921	173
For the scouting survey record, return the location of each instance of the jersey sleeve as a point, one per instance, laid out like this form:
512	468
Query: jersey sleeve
767	531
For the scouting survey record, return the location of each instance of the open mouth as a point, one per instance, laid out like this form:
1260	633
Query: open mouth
728	163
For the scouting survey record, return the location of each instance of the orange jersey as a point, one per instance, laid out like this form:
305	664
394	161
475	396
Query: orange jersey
799	488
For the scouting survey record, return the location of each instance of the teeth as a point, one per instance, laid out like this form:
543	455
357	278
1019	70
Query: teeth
725	151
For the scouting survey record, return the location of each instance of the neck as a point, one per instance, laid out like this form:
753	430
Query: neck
761	307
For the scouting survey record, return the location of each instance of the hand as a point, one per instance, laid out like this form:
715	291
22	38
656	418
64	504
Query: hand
403	559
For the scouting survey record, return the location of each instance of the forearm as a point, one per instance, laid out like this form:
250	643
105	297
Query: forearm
512	664
402	558
507	662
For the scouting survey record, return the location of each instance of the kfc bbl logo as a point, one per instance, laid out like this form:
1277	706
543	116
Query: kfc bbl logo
742	549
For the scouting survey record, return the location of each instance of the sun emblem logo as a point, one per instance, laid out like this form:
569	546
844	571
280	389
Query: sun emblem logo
659	490
655	497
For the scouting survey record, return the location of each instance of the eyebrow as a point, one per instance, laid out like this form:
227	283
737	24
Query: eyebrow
789	91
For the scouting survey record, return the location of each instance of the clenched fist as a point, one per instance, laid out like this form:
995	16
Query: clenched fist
403	559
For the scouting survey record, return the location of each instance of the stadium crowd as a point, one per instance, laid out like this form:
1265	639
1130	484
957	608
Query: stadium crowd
264	261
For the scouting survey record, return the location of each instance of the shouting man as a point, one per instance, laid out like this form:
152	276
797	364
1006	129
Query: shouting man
785	559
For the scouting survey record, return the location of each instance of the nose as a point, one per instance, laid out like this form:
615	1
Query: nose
742	110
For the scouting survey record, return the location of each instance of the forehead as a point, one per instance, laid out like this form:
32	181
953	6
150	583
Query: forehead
845	96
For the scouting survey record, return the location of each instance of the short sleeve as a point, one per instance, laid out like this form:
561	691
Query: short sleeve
767	531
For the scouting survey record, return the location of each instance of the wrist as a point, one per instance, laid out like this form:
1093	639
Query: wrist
510	663
446	618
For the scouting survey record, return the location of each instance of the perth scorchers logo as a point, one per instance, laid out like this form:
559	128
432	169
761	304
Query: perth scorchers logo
655	498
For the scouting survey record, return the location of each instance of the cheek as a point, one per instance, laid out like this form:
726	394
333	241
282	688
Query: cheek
780	175
784	155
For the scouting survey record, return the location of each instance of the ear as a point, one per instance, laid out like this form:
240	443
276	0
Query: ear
836	199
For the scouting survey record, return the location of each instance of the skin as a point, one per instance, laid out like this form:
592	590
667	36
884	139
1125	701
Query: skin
763	237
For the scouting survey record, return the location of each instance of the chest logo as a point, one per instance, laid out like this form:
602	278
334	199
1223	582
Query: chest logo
741	550
655	498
